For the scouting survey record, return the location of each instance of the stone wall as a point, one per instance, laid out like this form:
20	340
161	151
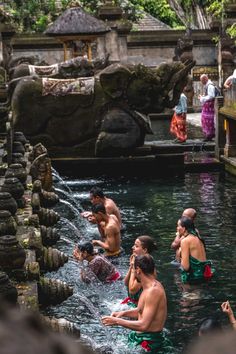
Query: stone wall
149	47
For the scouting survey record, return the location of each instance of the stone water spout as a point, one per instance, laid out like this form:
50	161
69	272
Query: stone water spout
12	254
8	224
49	235
52	259
8	291
18	171
47	199
53	291
7	202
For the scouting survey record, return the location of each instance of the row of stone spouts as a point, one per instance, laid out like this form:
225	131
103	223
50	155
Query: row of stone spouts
27	232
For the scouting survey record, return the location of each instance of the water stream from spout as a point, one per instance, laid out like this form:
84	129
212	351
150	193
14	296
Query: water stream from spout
77	233
60	179
67	195
94	311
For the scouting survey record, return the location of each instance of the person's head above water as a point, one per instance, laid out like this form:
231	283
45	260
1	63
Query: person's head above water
96	195
209	325
144	244
86	247
190	213
185	225
145	263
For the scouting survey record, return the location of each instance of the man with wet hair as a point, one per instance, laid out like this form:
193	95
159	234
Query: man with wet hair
110	230
149	317
97	197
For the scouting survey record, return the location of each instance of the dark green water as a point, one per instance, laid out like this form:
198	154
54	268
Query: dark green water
153	206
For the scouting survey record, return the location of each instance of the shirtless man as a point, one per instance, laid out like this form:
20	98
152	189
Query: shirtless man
97	197
110	231
191	214
151	313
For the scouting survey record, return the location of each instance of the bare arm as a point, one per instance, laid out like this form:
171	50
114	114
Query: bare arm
226	308
101	244
185	254
132	313
151	304
176	243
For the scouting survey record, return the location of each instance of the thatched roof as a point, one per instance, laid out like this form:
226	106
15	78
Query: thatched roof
75	21
150	23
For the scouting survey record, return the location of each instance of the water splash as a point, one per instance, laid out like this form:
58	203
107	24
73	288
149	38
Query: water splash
67	195
72	207
68	222
60	179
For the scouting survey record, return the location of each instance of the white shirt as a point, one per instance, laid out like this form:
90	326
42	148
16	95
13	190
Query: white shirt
210	90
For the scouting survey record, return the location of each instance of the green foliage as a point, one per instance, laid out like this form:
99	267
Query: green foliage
159	9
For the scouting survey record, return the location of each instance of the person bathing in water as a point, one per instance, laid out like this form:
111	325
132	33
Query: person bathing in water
191	214
194	265
148	319
98	265
111	239
97	197
142	245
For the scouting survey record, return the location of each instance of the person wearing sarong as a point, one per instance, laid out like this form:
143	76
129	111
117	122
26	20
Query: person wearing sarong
178	122
143	245
148	318
194	265
191	214
97	266
208	112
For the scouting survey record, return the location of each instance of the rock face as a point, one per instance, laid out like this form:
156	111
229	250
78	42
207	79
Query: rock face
109	119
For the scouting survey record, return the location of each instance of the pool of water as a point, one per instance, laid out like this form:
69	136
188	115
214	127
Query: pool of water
151	206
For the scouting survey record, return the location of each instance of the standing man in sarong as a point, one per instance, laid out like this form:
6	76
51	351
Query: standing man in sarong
178	122
148	319
208	112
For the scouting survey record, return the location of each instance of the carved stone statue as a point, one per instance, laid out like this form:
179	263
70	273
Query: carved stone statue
106	115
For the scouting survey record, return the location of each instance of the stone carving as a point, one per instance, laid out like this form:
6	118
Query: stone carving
41	168
112	121
7	202
12	254
8	291
8	224
76	67
47	199
52	259
53	291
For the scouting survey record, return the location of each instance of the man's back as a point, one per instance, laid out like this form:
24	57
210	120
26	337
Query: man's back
153	306
111	208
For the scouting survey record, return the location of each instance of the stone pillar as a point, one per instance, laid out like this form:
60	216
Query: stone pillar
219	128
230	146
1	50
115	41
227	56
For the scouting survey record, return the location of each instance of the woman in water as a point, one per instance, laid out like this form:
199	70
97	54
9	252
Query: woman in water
98	265
194	265
142	245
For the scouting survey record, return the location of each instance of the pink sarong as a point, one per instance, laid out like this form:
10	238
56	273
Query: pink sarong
207	118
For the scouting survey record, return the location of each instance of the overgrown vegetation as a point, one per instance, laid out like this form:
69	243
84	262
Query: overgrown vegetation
36	15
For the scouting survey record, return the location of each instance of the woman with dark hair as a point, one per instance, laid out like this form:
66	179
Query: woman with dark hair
194	265
143	245
98	265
